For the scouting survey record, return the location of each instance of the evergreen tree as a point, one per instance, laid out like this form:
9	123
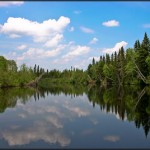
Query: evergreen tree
112	58
104	59
146	43
35	71
101	58
107	59
38	70
115	55
93	61
142	54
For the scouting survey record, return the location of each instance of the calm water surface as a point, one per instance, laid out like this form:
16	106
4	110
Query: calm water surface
75	117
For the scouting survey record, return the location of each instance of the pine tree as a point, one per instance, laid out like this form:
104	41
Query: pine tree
104	59
38	70
35	69
146	43
138	44
47	71
93	61
115	57
143	53
101	58
112	58
107	59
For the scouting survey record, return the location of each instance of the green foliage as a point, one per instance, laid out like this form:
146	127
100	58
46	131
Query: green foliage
131	66
11	76
125	67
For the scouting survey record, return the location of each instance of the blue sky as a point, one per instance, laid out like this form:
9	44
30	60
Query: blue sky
64	34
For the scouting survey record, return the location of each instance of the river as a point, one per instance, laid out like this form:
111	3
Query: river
75	117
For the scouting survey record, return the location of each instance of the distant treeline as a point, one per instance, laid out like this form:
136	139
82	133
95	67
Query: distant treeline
130	66
123	67
11	75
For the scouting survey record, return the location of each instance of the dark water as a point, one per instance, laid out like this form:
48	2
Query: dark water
75	117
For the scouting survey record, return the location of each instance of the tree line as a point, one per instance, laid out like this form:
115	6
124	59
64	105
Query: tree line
130	66
12	75
123	67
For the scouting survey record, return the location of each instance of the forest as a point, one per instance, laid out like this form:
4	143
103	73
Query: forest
124	67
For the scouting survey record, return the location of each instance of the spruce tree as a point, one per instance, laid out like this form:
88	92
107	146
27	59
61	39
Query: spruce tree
93	61
38	70
35	69
107	59
142	54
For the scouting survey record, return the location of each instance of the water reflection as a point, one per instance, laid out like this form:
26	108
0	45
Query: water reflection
131	103
61	115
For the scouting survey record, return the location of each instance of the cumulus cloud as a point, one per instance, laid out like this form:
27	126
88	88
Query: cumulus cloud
94	41
11	3
22	47
14	36
86	30
76	51
111	23
54	41
41	32
34	53
112	138
85	62
115	48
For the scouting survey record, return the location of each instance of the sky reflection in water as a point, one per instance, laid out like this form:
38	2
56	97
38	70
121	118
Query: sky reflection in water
61	120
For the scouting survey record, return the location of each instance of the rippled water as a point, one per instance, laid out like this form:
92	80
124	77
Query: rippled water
75	117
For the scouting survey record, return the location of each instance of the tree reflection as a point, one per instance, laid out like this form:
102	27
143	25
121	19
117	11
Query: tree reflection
9	97
127	102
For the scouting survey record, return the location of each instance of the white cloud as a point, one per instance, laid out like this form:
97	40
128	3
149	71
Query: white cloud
54	121
22	47
96	58
41	131
78	111
41	32
111	23
76	51
94	41
5	3
54	41
35	53
115	48
86	30
77	12
83	64
146	25
71	29
112	138
14	36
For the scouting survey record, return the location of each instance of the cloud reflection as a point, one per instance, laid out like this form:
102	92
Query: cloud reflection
40	131
43	121
112	138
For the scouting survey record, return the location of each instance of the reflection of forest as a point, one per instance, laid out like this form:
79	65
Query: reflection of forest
131	103
10	96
